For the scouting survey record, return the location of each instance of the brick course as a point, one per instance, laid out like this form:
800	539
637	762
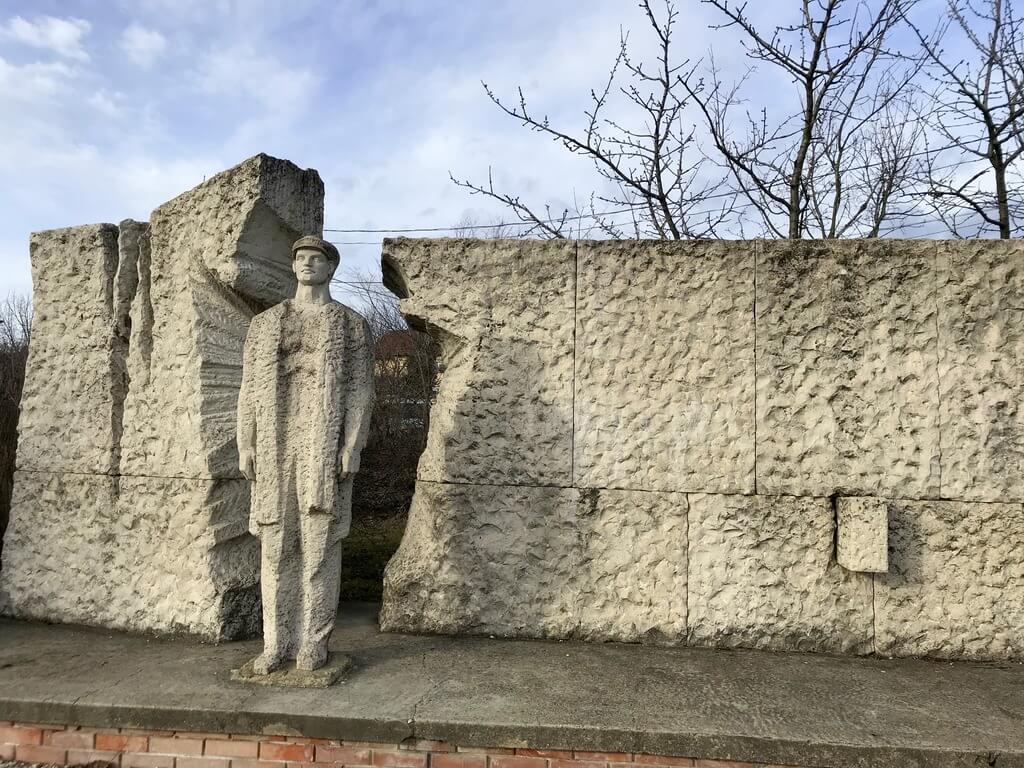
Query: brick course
68	745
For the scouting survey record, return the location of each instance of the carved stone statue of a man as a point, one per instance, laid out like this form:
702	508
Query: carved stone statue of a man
303	415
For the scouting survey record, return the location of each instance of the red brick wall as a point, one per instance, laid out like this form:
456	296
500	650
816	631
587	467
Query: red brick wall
130	748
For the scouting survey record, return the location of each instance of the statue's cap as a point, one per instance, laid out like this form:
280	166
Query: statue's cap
312	241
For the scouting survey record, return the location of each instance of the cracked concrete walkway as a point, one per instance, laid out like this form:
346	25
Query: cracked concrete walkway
800	709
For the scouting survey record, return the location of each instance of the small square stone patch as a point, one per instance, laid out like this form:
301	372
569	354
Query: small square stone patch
863	535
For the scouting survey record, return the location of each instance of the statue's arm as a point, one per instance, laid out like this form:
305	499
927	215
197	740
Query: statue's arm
246	424
360	402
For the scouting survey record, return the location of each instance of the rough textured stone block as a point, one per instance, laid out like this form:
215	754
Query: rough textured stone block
134	518
540	562
981	347
218	254
502	312
761	575
862	541
75	378
483	559
955	587
630	581
847	369
141	554
665	366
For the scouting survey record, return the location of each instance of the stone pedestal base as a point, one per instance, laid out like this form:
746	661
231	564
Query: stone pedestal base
290	677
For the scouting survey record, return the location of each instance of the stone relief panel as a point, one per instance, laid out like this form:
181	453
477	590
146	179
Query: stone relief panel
847	369
485	559
955	581
665	366
75	377
981	348
218	255
630	579
139	554
762	575
518	561
133	515
502	313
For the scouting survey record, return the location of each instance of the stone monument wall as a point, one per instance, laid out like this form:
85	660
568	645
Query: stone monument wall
788	445
128	508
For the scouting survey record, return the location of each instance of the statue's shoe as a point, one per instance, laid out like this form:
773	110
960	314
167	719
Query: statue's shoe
266	663
310	658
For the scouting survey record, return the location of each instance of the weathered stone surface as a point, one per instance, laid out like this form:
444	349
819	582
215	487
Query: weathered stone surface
955	581
761	575
521	561
75	378
502	311
331	672
142	554
132	515
665	366
846	369
630	577
862	541
219	254
981	348
303	419
485	559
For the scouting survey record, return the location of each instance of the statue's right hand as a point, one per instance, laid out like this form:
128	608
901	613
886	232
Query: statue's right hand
247	464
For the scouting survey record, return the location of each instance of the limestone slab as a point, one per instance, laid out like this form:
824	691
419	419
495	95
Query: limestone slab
484	559
630	580
955	587
761	575
862	539
502	312
981	343
521	561
218	254
75	378
847	374
665	366
141	554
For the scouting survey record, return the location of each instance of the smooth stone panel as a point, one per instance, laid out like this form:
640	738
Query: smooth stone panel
955	587
847	398
665	366
75	376
140	554
862	541
981	369
761	575
502	313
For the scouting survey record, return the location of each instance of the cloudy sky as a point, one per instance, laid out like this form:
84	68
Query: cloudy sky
112	107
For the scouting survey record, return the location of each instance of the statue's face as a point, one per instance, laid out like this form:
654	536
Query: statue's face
312	267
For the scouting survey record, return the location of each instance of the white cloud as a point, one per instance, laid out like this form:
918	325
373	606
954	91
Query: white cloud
142	45
62	36
33	83
243	70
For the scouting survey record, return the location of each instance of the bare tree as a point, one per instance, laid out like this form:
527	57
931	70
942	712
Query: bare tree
978	118
15	330
814	171
470	226
404	379
653	164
